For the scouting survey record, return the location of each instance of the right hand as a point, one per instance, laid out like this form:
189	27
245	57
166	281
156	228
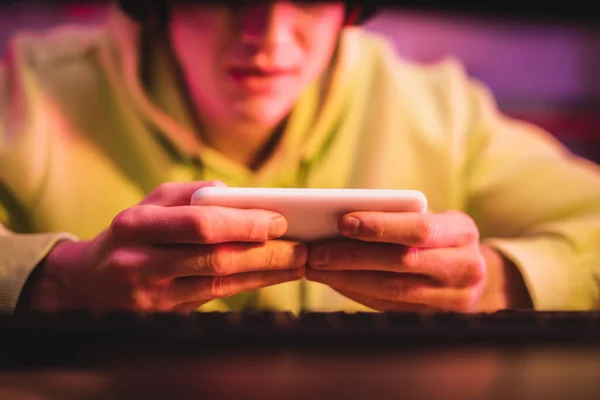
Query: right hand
164	254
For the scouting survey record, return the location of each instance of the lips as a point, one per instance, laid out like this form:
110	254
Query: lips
258	79
243	72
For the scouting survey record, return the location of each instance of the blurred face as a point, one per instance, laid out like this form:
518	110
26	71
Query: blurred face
249	64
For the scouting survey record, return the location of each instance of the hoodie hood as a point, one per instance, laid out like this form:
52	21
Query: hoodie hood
312	124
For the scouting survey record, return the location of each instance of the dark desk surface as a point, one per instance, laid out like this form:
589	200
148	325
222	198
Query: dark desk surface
235	360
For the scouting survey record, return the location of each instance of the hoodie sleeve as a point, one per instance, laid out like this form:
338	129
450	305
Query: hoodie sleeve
21	249
20	254
536	203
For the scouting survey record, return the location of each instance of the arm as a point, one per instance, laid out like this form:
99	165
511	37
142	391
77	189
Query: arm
21	252
536	205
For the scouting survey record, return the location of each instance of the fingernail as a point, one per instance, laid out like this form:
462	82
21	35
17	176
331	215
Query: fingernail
350	226
277	227
319	257
217	183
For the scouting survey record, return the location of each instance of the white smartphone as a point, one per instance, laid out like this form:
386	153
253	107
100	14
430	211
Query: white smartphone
312	214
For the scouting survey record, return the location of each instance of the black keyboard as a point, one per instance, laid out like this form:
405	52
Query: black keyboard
275	355
310	327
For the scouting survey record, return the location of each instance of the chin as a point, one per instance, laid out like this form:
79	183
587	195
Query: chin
261	114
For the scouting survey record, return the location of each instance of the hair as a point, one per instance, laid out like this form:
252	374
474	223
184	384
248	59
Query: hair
156	12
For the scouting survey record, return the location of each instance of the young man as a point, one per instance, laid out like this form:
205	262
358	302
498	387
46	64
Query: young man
107	132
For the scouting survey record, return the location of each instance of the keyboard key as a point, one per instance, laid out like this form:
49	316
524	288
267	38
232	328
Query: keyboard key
169	321
363	321
405	321
213	321
571	321
450	321
76	319
508	320
320	320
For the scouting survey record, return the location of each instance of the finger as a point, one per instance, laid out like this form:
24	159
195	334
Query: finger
201	289
453	266
176	193
168	262
196	225
410	229
399	288
383	305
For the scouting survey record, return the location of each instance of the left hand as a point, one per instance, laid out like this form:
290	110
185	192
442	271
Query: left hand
404	261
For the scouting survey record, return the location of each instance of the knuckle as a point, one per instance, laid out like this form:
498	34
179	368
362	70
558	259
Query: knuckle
144	300
220	286
464	301
163	190
119	259
220	260
475	270
398	288
271	257
123	266
113	261
203	228
255	229
124	222
424	229
140	300
378	226
412	259
431	263
159	194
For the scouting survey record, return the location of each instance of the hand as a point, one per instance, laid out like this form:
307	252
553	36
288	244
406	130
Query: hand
164	254
407	262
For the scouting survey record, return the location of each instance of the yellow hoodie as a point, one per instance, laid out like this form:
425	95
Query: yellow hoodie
81	139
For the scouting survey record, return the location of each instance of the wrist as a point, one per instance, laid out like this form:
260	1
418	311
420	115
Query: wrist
505	287
50	285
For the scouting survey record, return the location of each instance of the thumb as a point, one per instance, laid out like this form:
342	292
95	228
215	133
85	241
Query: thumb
174	194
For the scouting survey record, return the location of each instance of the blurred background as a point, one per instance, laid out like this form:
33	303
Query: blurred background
544	71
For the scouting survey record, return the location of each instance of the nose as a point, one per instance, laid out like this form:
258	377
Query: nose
267	24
